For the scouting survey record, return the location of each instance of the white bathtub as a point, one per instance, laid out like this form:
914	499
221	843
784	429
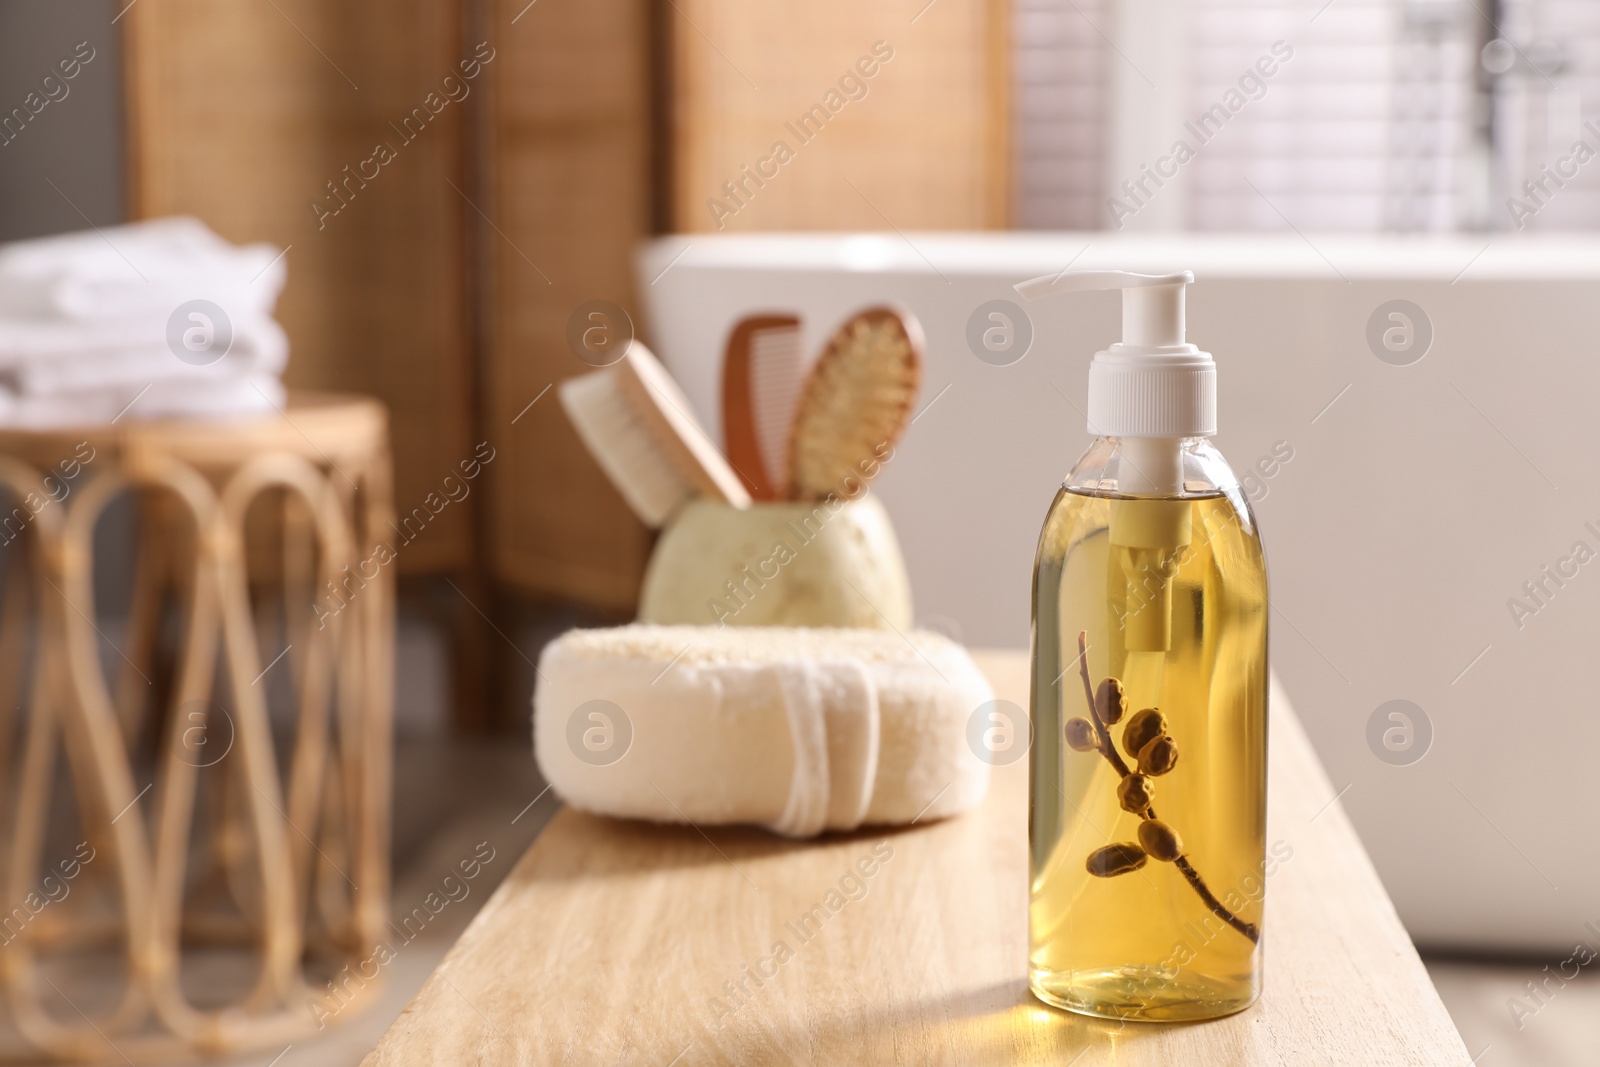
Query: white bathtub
1418	501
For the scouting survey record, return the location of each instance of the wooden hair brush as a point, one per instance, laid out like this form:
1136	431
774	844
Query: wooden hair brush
856	404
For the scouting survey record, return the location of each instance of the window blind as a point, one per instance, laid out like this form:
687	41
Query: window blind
1372	122
1544	73
1060	99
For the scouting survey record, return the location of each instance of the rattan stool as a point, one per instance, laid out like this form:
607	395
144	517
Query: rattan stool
200	838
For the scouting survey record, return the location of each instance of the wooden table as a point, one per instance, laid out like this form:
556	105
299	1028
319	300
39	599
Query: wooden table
611	942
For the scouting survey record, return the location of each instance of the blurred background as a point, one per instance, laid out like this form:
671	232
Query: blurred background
1337	156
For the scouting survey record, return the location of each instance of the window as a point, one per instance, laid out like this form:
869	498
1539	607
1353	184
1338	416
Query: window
1363	115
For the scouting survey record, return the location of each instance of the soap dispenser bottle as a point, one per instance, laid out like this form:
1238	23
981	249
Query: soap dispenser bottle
1147	807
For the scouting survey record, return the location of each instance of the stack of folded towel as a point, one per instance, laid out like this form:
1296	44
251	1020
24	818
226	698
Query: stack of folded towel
155	319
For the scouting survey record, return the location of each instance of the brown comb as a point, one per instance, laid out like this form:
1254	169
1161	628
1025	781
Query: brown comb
761	378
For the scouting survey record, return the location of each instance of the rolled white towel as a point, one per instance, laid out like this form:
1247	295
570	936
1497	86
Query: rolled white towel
142	267
798	730
228	397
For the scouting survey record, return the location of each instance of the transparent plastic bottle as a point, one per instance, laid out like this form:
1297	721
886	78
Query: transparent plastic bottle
1147	828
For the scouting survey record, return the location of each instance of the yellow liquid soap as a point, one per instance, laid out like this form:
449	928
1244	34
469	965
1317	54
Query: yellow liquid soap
1171	594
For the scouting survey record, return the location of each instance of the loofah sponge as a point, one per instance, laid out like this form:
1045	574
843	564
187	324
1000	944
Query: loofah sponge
799	730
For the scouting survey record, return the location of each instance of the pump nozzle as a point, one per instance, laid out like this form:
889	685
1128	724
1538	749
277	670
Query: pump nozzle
1152	304
1150	390
1152	383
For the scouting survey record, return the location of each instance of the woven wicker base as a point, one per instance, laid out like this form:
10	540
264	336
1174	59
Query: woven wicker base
197	826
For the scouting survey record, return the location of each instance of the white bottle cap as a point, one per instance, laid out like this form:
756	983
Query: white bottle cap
1151	383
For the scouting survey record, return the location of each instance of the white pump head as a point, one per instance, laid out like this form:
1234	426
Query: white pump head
1152	383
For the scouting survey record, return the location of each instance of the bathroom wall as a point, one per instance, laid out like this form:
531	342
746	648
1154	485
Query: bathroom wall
75	141
62	169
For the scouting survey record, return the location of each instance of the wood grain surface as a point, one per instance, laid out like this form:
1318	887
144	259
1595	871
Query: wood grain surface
910	127
569	175
619	942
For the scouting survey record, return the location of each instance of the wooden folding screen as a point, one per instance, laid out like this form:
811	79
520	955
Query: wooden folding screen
253	115
571	173
444	285
839	115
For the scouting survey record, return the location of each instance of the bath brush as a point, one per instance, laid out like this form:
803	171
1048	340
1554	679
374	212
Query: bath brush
639	427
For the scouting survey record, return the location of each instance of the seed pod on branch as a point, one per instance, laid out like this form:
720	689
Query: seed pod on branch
1111	702
1160	840
1159	756
1134	793
1141	729
1112	860
1081	735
